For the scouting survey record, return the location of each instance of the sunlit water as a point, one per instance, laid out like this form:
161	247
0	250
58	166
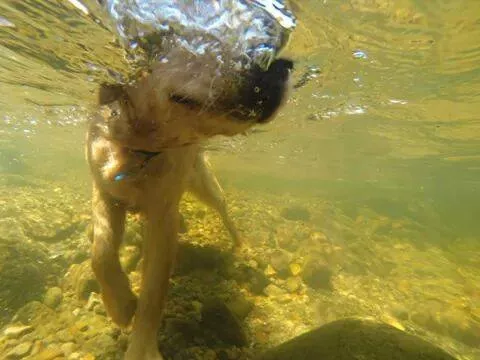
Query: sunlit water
389	128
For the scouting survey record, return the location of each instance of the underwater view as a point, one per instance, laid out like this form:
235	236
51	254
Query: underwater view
357	206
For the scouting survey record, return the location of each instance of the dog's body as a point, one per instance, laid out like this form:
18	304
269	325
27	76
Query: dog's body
145	150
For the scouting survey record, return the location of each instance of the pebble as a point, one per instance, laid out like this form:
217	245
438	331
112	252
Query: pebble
293	284
274	290
16	331
269	270
37	347
240	306
93	299
19	351
130	257
399	311
53	297
68	348
280	261
49	354
295	269
219	318
296	213
318	276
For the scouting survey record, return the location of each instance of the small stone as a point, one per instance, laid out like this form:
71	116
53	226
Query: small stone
19	351
88	357
68	348
296	213
318	237
269	270
209	355
197	306
53	297
99	309
17	331
49	354
130	257
318	276
293	284
295	269
65	335
240	306
82	325
37	347
217	317
399	311
280	261
274	290
81	279
93	300
102	341
254	279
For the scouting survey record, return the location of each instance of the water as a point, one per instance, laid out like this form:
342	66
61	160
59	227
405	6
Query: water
381	149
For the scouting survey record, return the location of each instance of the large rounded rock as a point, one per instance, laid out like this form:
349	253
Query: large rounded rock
81	280
356	339
24	268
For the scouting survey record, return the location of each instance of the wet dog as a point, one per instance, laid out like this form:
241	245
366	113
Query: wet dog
144	148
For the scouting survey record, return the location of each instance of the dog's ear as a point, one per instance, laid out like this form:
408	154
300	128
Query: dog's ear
109	93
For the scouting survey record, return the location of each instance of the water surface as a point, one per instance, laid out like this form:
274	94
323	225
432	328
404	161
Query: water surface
384	140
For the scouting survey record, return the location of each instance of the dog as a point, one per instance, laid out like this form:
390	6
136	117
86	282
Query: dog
144	149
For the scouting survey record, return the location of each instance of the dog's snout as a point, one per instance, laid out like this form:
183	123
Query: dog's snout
263	91
282	68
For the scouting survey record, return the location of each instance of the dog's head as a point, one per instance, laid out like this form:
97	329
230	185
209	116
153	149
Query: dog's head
205	69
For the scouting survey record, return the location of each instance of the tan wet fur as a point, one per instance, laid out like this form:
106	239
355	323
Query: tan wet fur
133	120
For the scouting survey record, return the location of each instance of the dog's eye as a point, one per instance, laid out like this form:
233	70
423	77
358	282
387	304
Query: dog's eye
184	100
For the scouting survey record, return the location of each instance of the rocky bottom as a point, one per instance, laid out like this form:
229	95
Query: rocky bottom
306	264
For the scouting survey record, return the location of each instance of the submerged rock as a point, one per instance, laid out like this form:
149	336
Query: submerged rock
19	351
16	331
296	213
53	297
240	306
317	275
24	268
32	310
192	258
280	261
49	354
218	318
356	339
81	279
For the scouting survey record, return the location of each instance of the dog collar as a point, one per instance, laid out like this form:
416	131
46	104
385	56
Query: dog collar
148	155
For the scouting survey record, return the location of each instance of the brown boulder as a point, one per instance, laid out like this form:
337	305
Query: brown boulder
356	339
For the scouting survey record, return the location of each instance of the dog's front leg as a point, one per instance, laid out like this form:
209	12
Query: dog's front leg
205	186
160	245
108	228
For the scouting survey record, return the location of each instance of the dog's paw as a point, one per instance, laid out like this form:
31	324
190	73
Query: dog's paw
241	248
121	308
135	353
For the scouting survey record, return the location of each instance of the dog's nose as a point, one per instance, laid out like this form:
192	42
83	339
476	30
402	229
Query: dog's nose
263	91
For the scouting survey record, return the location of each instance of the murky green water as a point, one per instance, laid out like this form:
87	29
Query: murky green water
385	140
